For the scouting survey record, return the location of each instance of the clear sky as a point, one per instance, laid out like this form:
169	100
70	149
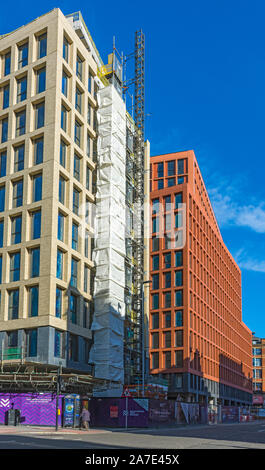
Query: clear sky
205	90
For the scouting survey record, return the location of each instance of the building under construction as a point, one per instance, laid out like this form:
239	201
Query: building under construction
73	191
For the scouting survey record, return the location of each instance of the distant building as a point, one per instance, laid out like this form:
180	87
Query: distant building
258	352
198	340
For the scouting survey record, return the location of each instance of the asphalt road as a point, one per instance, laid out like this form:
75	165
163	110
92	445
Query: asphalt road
233	436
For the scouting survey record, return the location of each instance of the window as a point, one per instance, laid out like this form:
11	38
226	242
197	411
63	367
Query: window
155	301
257	362
66	47
167	260
36	224
38	151
1	233
2	198
160	170
178	200
73	308
58	302
160	184
21	89
37	188
86	271
77	160
86	244
171	170
179	318
13	304
88	113
178	219
76	201
78	133
179	359
155	360
90	79
7	63
86	315
63	152
87	177
5	96
58	337
155	321
179	338
167	280
19	158
34	262
155	224
171	182
61	189
167	300
155	262
33	301
40	80
155	244
74	272
39	115
59	270
179	278
4	130
155	206
12	340
155	340
3	164
79	66
167	359
14	267
32	342
167	320
64	118
60	232
178	258
155	281
78	100
20	123
181	167
75	236
73	348
22	55
167	339
179	298
65	83
1	265
18	193
88	146
16	223
42	46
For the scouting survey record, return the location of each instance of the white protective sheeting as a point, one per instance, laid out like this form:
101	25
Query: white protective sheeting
109	252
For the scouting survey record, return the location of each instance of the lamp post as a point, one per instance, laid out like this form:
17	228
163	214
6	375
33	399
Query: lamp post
58	390
143	337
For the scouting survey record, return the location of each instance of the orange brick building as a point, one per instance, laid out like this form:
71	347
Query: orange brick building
197	338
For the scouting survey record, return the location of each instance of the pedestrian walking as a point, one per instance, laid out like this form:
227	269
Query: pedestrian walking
85	416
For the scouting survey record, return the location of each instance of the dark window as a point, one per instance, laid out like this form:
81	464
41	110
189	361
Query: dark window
2	198
7	65
167	320
2	164
155	281
35	262
38	151
79	66
181	167
42	45
75	236
179	359
167	280
167	339
179	318
13	304
33	301
77	167
5	96
14	267
63	148
64	118
167	359
61	189
58	302
179	278
167	260
74	272
73	308
66	47
36	224
19	158
60	233
39	115
178	298
73	348
18	193
178	258
32	340
155	360
155	301
41	80
178	199
16	223
4	129
155	340
1	233
65	84
155	262
22	55
20	123
179	338
21	89
171	170
155	321
160	170
37	188
59	269
167	300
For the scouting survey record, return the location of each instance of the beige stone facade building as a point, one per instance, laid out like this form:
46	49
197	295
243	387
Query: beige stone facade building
50	96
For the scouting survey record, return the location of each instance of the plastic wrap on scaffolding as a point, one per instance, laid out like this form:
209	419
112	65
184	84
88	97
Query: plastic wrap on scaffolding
109	251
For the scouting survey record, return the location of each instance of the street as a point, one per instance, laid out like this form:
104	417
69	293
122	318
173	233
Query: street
224	436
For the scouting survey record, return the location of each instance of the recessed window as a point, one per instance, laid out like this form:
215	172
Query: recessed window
20	123
37	188
178	258
2	198
35	224
23	55
18	193
41	80
64	118
155	301
5	96
78	128
16	223
74	272
32	342
160	170
63	153
33	301
178	298
76	196
171	168
39	115
65	83
7	63
155	281
34	254
22	89
13	304
14	267
42	46
77	165
78	100
79	67
179	338
62	183
3	164
58	302
38	150
59	269
73	308
61	221
179	278
155	260
4	130
66	48
75	236
155	321
179	318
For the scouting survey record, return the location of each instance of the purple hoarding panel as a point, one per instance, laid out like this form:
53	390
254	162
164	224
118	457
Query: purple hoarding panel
35	409
111	412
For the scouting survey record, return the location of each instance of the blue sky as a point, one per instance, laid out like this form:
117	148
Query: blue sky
205	90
